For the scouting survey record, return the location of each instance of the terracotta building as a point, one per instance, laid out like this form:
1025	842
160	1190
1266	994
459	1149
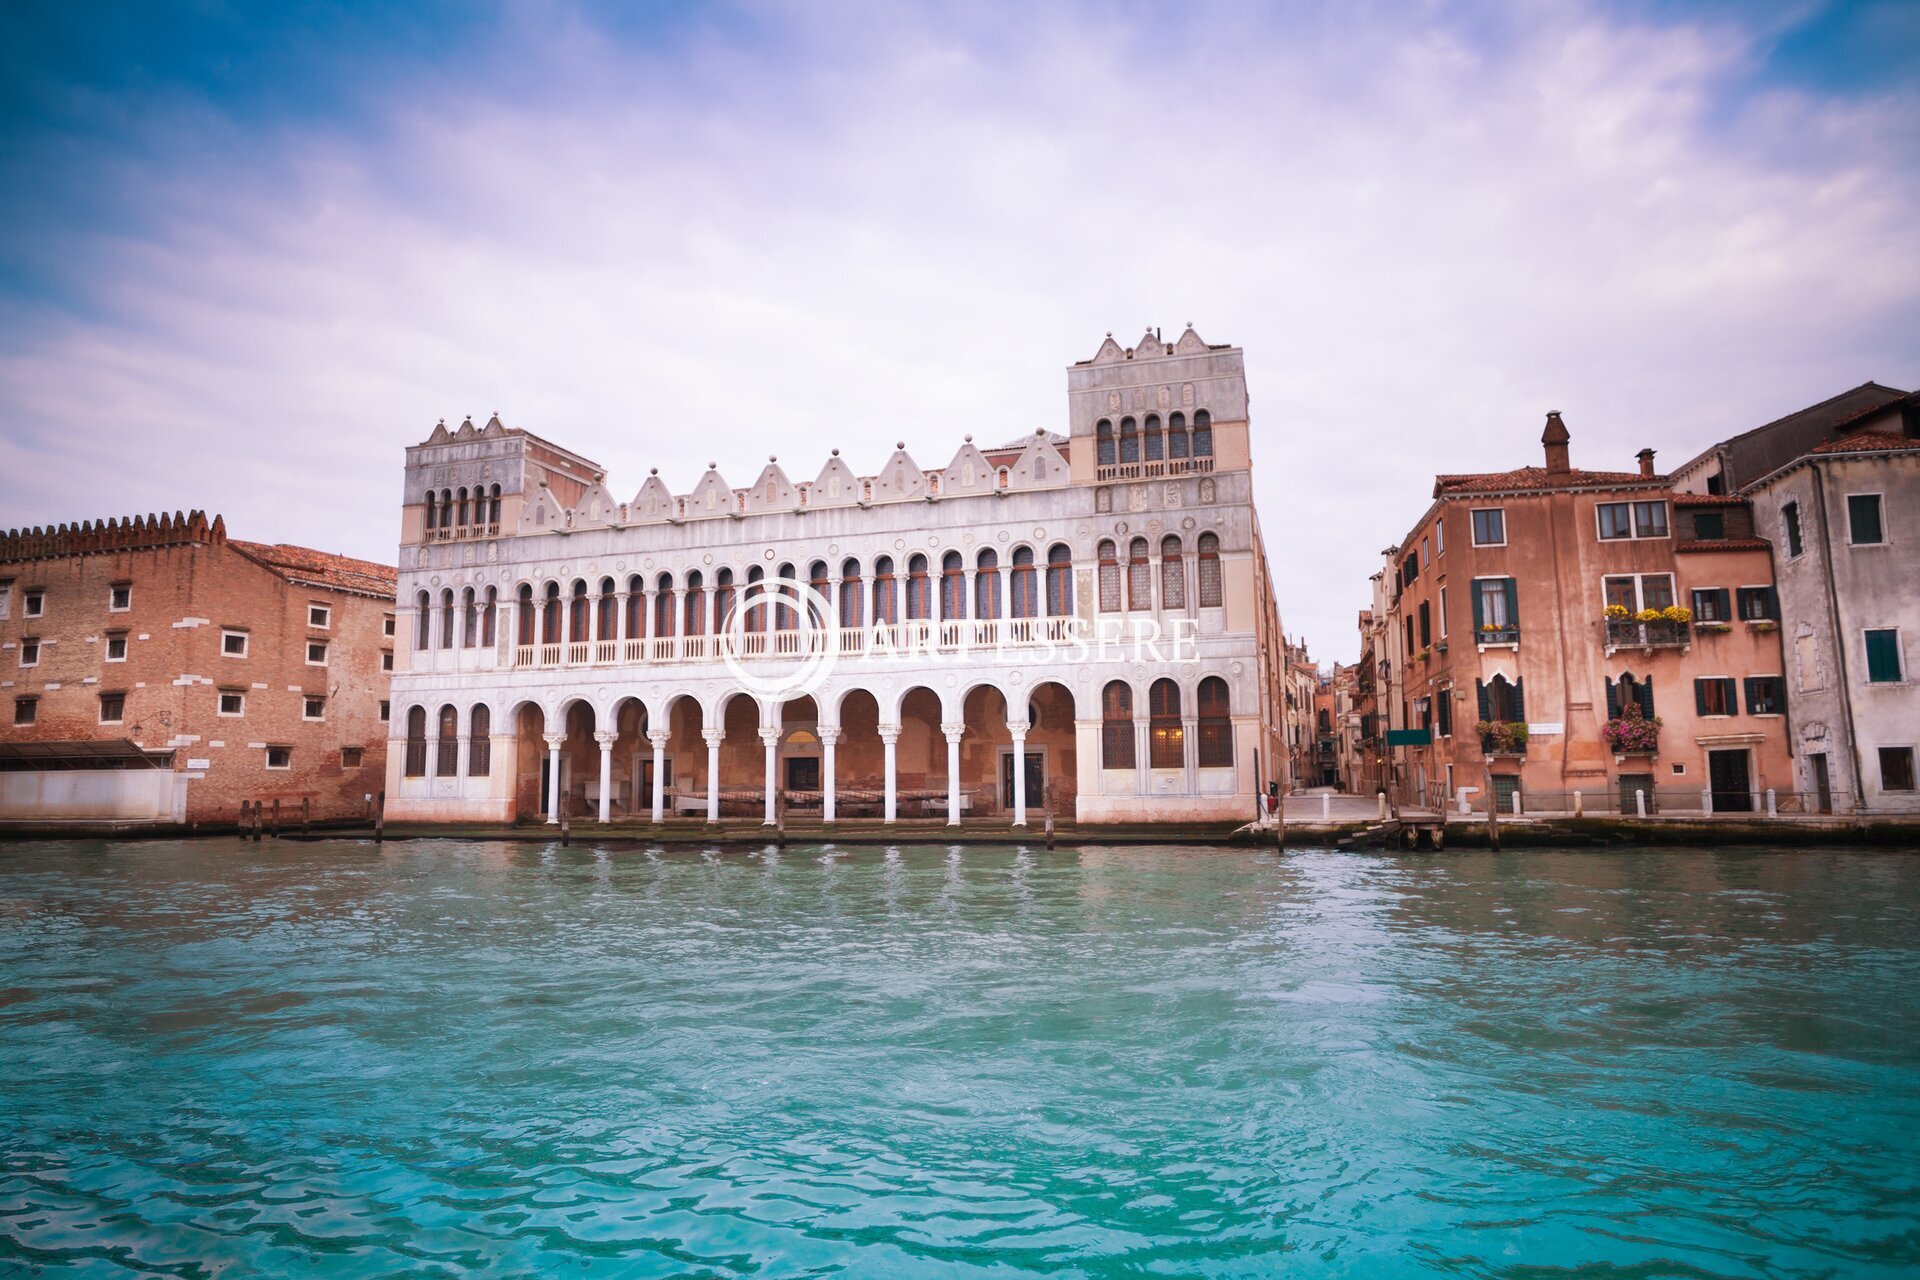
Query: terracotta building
153	670
649	654
1549	630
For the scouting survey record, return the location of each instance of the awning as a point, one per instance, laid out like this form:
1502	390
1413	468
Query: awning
103	753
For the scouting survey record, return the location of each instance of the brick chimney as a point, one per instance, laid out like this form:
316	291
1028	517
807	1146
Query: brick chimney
1555	437
1646	461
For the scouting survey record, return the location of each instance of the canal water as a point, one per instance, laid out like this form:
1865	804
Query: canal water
467	1059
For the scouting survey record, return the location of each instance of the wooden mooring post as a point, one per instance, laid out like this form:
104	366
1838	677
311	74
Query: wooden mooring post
259	808
306	814
1493	820
1046	800
380	818
276	818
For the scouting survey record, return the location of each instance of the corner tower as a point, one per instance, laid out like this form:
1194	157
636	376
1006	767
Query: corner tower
1146	410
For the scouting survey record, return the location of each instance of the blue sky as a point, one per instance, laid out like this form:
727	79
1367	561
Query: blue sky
251	252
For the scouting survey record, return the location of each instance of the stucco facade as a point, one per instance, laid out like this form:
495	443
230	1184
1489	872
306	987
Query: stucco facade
1083	621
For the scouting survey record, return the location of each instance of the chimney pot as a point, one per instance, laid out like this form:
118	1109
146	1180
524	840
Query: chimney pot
1646	461
1555	439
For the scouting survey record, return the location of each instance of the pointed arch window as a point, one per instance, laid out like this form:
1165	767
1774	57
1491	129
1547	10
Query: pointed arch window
1154	440
490	618
1024	581
463	508
693	610
446	618
822	589
1212	595
423	621
1202	434
756	616
493	506
1129	441
469	619
1166	735
885	598
1215	728
607	611
787	618
1059	581
525	621
446	762
1139	576
433	510
722	599
446	508
578	622
852	602
1116	726
663	605
1103	445
636	607
1177	436
1109	577
919	590
550	616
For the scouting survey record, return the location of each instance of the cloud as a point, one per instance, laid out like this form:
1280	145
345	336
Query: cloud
773	233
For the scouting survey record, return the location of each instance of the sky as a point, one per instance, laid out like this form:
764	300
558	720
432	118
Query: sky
249	253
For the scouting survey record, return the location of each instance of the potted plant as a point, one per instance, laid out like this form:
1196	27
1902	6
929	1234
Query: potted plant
1503	737
1632	733
1764	624
1617	613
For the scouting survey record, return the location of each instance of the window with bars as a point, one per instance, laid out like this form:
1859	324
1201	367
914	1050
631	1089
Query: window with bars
1173	574
1207	564
1116	726
1139	576
1109	578
1215	727
1103	443
233	702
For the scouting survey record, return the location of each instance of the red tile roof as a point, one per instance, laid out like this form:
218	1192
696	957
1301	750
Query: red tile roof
1868	441
1539	478
1707	500
323	568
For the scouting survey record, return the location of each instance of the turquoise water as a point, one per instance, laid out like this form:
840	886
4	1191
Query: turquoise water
447	1059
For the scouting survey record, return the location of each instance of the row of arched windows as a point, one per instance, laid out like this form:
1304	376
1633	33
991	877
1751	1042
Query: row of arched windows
1173	574
446	763
1151	442
885	596
1166	729
461	507
470	618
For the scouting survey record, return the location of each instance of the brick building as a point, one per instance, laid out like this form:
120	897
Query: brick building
152	670
1534	623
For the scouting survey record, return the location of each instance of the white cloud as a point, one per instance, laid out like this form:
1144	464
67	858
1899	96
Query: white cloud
894	228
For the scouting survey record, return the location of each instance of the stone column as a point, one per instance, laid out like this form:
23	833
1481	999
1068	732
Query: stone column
829	740
953	729
890	741
620	599
714	738
770	737
648	619
835	585
1190	749
1019	732
1142	761
658	737
606	739
554	741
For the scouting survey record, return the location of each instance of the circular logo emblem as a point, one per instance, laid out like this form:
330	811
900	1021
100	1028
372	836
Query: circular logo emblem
781	642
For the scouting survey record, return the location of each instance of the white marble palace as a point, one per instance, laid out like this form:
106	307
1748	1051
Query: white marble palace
1080	622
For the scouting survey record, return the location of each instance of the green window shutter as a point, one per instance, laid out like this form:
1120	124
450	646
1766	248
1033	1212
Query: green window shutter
1480	688
1519	695
1513	603
1700	697
1613	702
1479	615
1883	656
1646	697
1732	693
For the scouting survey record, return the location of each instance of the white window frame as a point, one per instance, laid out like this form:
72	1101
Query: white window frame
1666	518
1755	586
112	587
1639	587
220	699
278	767
107	653
326	617
33	603
1473	530
1633	533
35	642
1440	537
1598	507
306	699
246	642
1899	653
1880	499
6	598
323	653
1443	611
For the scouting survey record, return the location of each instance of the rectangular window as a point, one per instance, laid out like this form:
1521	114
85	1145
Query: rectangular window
36	603
26	710
1766	695
113	708
1440	537
1714	696
316	653
1616	520
386	659
1649	519
350	757
1709	526
1495	615
116	646
233	702
6	597
1443	613
1896	769
386	625
313	707
1634	592
386	711
1409	568
120	597
279	757
1863	520
1490	527
1790	517
30	651
1712	604
1444	712
1758	604
1883	656
233	644
319	615
1426	625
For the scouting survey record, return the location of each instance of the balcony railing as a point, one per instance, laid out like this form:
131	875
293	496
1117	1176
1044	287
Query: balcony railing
1499	635
1662	633
888	639
1151	470
449	533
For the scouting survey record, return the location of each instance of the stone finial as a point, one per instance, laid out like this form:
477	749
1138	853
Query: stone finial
654	471
836	453
899	444
969	439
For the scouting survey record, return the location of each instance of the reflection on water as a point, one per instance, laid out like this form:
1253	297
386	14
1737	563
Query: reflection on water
468	1059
